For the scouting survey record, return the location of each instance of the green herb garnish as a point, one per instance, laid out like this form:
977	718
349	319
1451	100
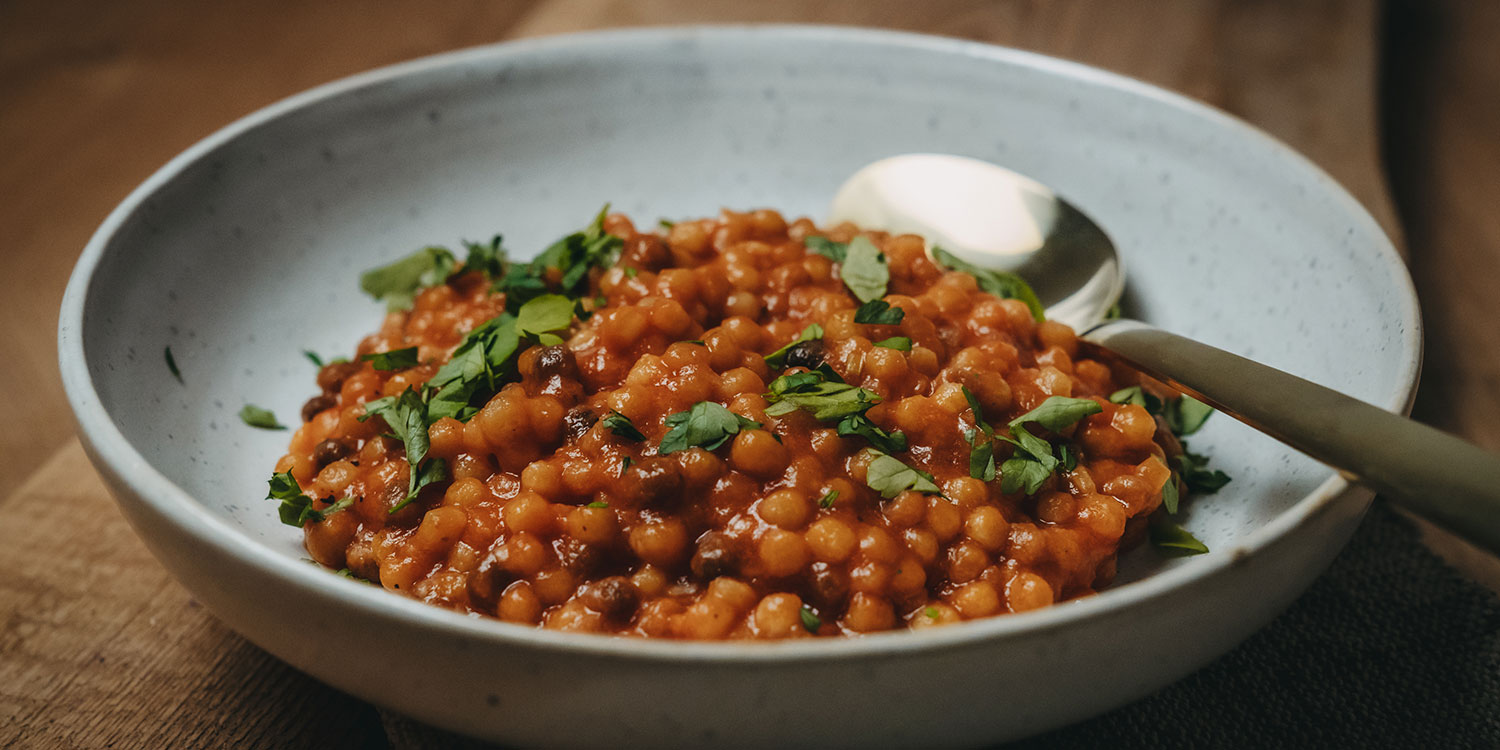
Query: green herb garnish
1186	414
395	359
542	315
296	508
1137	396
777	359
597	504
1169	496
811	392
890	477
864	270
408	419
398	283
827	248
828	499
998	283
1035	459
313	357
932	612
489	259
172	365
621	425
1174	541
899	343
878	312
810	619
859	425
480	365
1193	468
255	416
706	425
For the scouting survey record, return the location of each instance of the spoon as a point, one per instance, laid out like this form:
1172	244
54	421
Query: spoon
998	219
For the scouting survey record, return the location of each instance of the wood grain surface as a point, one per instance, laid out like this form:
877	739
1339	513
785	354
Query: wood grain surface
99	647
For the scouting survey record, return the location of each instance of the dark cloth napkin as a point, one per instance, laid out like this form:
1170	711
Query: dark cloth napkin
1389	648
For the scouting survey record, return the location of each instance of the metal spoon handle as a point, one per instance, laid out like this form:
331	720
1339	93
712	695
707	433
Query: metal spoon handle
1431	473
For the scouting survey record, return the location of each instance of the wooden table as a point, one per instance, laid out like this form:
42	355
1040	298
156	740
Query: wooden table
98	646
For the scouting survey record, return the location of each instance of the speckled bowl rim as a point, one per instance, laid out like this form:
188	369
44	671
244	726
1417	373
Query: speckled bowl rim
110	448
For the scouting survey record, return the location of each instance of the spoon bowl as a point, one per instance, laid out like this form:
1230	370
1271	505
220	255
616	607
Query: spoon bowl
993	218
997	219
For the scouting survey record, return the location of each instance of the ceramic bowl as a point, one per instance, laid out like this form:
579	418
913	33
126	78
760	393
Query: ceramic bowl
245	250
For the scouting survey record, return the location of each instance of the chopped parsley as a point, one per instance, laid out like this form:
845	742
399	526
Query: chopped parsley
597	504
312	357
296	508
899	343
864	270
1186	414
810	619
777	359
890	477
1174	541
542	315
878	312
1169	496
397	284
621	426
706	425
813	393
255	416
1137	396
576	254
932	612
489	259
999	283
395	359
859	425
1034	459
834	251
172	365
408	419
828	499
1193	468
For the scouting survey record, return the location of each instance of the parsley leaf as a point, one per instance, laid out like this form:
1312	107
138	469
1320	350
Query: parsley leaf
977	411
1137	396
1174	541
1197	476
395	359
890	477
478	368
707	425
257	417
899	343
574	255
621	425
932	612
861	426
827	248
828	499
998	283
1169	496
489	259
878	312
1023	472
544	314
312	357
408	419
810	620
1186	415
864	270
597	504
397	283
1057	412
777	359
172	365
823	399
981	460
296	508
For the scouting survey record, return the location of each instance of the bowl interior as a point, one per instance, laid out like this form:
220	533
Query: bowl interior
247	250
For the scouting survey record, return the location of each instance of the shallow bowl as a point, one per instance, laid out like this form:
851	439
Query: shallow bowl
245	250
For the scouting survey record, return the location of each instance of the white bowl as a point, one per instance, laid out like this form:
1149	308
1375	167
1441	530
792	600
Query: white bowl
230	250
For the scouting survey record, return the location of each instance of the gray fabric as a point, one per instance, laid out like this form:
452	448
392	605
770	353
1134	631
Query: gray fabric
1390	648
